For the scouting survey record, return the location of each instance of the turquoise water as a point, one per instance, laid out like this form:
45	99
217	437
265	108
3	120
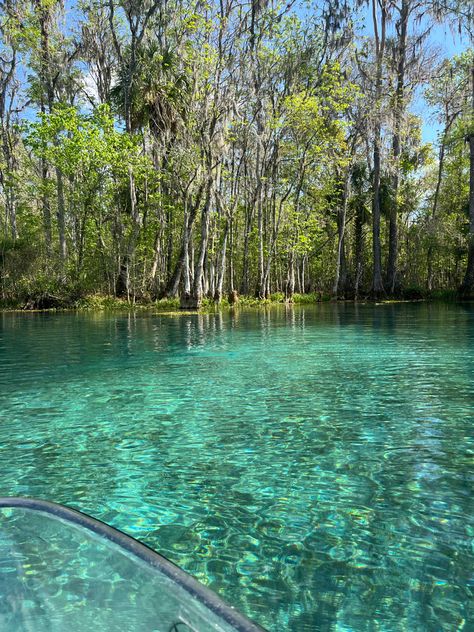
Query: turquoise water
315	466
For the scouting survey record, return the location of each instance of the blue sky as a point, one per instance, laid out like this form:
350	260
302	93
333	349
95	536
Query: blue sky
446	42
449	44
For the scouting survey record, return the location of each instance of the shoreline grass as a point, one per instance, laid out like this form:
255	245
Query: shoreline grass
171	306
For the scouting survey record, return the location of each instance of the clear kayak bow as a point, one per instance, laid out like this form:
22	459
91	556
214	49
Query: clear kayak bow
63	571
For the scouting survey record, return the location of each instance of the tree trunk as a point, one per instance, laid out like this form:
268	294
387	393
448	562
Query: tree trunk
341	273
399	112
359	249
430	252
184	254
153	284
467	287
221	266
377	284
245	282
61	216
47	227
195	299
290	284
261	270
231	254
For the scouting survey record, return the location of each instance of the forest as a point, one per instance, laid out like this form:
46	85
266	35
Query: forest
214	149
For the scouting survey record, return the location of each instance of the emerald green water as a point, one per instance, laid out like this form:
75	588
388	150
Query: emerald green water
315	466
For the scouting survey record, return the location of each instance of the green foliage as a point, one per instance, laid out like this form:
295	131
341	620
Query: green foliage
277	297
311	297
99	302
232	129
160	90
85	146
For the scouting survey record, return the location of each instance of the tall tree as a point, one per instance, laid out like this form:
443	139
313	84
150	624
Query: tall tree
379	21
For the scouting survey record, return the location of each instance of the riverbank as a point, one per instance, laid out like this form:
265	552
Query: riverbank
100	302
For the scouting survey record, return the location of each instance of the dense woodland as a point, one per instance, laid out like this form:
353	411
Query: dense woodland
220	148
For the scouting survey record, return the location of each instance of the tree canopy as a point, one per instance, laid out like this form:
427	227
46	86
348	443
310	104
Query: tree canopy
155	149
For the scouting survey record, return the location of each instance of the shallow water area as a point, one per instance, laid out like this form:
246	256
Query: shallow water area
313	465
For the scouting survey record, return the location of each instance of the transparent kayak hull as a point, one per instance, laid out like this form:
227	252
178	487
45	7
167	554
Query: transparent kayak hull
62	570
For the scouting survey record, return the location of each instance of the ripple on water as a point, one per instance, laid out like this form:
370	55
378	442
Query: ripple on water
313	465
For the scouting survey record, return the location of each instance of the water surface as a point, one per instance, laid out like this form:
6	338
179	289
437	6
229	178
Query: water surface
315	466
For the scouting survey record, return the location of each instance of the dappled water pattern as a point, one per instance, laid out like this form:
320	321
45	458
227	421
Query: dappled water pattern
315	466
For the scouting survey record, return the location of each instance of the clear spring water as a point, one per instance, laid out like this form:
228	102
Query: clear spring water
315	466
